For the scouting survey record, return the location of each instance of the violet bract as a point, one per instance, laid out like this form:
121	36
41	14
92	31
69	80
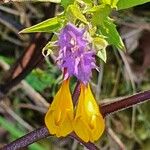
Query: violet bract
75	53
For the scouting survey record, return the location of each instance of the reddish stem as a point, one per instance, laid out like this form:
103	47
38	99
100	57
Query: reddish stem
125	103
42	132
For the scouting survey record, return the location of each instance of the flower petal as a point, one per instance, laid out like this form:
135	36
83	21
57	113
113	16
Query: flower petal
59	117
98	130
81	129
88	123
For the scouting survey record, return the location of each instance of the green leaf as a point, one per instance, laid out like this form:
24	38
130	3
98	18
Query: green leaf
88	1
53	1
112	3
100	12
108	29
73	13
102	54
124	4
100	45
49	25
66	3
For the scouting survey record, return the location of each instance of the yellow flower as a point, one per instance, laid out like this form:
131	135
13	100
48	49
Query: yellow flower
59	117
88	123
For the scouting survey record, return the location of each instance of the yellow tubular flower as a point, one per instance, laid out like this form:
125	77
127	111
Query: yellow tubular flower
59	117
88	123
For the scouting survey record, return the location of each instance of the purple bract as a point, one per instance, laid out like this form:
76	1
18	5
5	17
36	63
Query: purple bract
75	54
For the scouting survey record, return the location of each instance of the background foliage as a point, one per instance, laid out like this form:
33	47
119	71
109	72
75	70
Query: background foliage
123	74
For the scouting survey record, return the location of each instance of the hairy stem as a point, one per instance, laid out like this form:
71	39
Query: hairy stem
42	132
125	103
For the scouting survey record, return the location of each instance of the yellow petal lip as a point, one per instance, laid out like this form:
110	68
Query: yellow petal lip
88	123
59	117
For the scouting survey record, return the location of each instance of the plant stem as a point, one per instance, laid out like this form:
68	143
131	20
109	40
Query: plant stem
42	132
125	103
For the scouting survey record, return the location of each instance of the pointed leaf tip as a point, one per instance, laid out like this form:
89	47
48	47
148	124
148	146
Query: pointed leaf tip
49	25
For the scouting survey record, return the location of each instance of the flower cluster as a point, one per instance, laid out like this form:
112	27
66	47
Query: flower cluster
75	54
77	59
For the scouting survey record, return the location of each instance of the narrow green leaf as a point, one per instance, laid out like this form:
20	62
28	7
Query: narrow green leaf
11	128
108	29
75	12
49	25
124	4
